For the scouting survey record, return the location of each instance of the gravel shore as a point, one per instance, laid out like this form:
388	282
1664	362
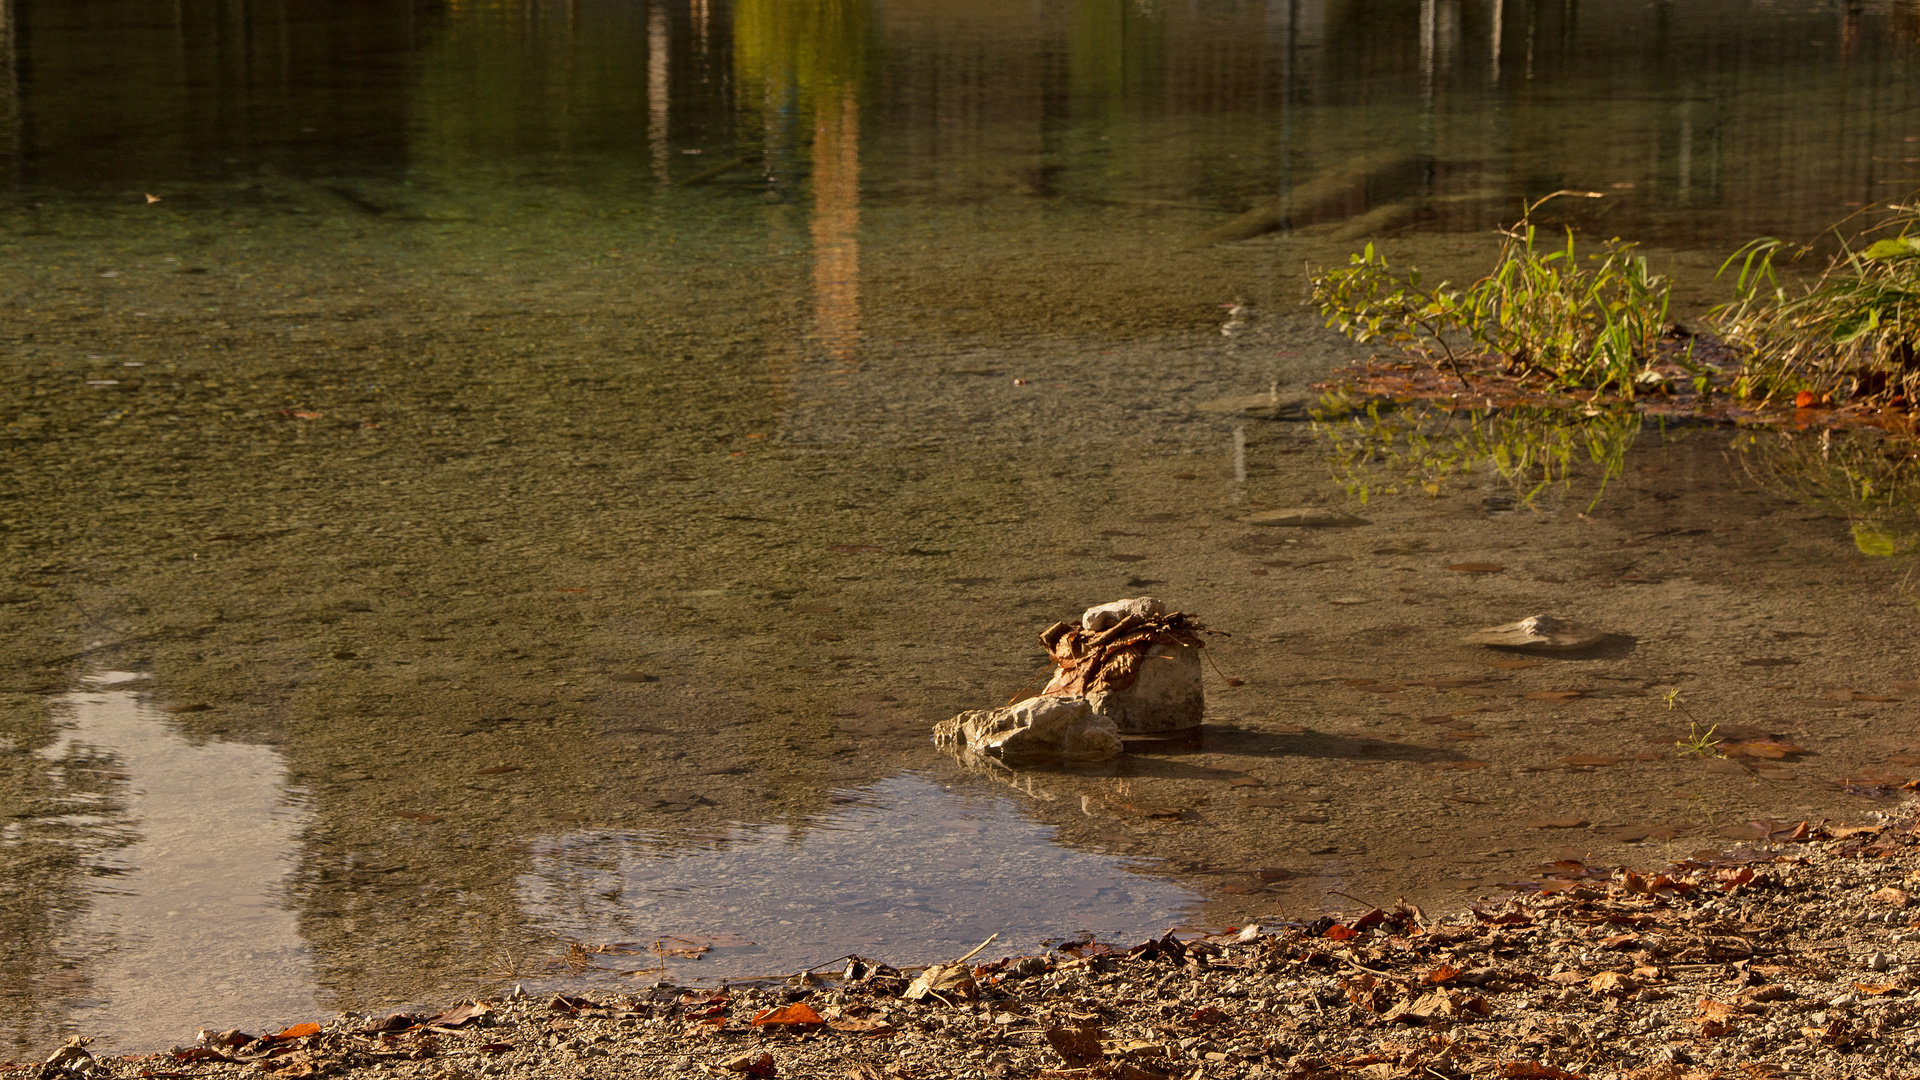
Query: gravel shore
1793	957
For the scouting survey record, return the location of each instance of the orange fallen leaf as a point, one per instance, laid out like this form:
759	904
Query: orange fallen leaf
797	1014
297	1031
1340	932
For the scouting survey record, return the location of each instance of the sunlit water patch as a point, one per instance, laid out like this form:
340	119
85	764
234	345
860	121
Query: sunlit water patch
185	926
905	871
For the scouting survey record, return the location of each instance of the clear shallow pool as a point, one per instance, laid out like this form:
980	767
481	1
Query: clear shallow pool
906	871
492	484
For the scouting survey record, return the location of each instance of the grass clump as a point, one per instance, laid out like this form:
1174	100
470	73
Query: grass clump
1546	312
1851	334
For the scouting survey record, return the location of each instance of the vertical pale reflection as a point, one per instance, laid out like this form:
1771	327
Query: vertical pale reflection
188	926
836	224
658	92
9	95
1499	17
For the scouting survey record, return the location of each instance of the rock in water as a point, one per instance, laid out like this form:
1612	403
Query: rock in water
1165	696
1538	632
1045	726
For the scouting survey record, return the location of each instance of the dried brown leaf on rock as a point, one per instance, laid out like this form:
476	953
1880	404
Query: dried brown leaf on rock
855	1025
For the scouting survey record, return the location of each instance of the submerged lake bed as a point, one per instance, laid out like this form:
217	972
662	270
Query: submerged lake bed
576	546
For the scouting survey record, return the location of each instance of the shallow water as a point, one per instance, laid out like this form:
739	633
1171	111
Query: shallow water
526	516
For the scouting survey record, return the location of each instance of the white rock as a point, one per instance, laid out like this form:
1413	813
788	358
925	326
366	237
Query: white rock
1537	632
1104	616
1045	726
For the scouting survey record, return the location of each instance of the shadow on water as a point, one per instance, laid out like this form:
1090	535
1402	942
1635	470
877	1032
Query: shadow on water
540	449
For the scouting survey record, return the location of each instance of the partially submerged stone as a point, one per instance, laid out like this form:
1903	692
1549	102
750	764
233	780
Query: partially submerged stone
1544	632
1315	517
1134	661
1165	696
1044	726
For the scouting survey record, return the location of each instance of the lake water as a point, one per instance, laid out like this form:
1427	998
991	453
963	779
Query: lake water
492	482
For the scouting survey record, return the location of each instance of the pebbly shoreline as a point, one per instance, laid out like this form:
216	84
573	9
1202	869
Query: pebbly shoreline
1796	957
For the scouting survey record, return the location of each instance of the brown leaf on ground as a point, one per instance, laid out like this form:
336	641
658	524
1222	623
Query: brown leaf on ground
461	1014
1556	696
1558	823
1078	1045
854	1025
1613	984
1889	896
1476	568
798	1014
751	1064
1537	1070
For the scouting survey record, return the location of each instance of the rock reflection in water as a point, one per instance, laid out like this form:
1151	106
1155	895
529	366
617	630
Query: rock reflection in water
185	925
908	872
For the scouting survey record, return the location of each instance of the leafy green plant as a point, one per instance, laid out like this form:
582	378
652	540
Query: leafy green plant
1853	332
1381	449
1544	311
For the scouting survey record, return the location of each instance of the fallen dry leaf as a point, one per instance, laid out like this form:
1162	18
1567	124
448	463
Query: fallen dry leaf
798	1014
1476	568
1558	823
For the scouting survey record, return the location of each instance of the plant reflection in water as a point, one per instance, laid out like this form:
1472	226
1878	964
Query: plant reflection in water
1385	448
1871	477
